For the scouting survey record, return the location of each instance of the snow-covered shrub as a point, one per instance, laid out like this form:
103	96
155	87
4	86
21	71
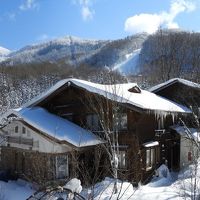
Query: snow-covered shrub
2	195
163	171
74	185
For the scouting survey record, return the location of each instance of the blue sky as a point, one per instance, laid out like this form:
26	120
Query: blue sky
24	22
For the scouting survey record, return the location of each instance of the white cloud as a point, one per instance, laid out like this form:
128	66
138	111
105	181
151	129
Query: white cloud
28	4
143	22
87	12
150	23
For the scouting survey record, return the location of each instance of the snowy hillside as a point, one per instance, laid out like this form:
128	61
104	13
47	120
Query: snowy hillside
76	51
72	48
130	64
4	51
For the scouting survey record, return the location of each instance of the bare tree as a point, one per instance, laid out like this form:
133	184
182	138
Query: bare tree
108	109
190	183
168	54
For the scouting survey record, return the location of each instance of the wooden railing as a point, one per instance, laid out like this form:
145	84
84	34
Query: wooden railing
20	140
160	132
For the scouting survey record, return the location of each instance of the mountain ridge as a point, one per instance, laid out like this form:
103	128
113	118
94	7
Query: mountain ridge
76	51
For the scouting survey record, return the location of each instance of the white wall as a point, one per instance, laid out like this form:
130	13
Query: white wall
40	142
186	146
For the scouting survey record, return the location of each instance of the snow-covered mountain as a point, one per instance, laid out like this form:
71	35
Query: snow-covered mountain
4	53
76	51
72	48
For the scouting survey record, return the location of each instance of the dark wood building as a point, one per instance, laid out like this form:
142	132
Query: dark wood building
132	117
178	145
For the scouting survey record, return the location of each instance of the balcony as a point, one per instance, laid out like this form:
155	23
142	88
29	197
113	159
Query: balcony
20	140
160	132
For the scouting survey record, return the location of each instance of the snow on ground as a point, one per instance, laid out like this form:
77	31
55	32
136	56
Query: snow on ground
164	186
15	190
160	188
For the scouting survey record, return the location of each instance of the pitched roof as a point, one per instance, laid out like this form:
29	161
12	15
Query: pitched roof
187	132
118	92
163	85
57	127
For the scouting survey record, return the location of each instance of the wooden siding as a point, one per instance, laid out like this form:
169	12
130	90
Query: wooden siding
181	94
20	140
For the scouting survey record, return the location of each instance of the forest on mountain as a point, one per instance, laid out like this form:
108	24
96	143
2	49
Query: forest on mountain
170	54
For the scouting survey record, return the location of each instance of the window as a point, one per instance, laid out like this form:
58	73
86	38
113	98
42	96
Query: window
23	130
152	157
28	133
189	156
121	122
93	122
16	129
135	89
62	166
161	123
122	159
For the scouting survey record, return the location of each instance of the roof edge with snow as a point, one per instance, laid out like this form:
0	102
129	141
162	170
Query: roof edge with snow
55	128
137	102
165	84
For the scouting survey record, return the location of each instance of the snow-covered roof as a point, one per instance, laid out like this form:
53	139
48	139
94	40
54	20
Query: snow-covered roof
57	127
183	131
161	86
119	93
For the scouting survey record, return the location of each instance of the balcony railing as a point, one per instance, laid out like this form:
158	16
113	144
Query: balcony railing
160	132
20	140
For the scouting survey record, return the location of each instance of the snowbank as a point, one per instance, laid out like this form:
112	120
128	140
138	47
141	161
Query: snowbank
15	190
74	185
163	187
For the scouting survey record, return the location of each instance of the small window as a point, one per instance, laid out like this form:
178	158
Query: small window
122	159
135	89
23	130
121	122
152	157
93	122
16	129
28	133
190	156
